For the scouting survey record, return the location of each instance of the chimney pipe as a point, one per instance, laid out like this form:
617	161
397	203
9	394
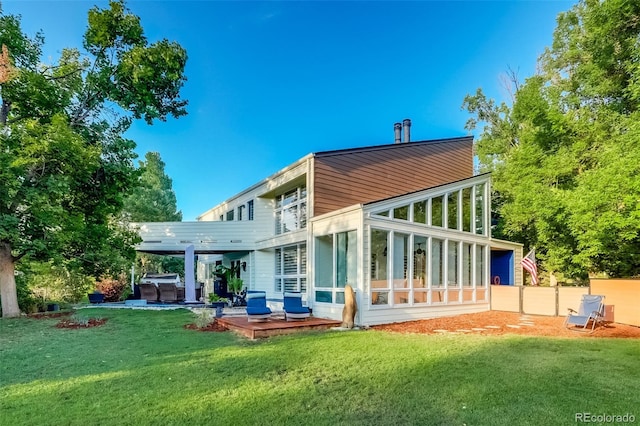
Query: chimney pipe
397	128
406	123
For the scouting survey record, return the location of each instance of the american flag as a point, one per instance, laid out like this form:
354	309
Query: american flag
529	263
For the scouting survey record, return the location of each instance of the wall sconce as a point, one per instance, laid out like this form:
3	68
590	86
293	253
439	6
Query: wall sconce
244	266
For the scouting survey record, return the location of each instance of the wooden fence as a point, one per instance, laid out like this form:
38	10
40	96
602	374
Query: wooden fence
622	298
550	301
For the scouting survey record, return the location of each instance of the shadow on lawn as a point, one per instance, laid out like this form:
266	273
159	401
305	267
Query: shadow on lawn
329	378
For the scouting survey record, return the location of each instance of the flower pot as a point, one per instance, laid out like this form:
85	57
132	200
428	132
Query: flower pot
96	297
219	307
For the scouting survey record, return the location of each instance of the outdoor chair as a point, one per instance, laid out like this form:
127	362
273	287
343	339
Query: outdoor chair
168	292
257	309
293	309
148	292
591	311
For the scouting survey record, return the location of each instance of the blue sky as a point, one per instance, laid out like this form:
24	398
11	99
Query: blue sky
269	82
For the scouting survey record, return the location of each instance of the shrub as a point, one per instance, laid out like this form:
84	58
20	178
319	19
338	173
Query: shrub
114	289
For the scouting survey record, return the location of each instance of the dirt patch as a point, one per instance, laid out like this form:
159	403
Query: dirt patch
47	315
91	322
498	323
214	326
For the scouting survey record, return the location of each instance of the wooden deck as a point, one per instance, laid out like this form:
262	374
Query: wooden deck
274	326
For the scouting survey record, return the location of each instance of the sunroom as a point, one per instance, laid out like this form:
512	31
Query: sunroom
419	255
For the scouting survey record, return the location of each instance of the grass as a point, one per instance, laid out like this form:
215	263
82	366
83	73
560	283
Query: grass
143	367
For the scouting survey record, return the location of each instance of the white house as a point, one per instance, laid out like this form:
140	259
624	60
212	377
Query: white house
407	225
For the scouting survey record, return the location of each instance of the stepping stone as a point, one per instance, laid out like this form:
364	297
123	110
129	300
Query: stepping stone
462	330
441	331
513	326
479	329
526	324
491	326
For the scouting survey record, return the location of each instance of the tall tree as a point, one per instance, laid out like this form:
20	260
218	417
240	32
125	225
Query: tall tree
153	200
64	166
565	155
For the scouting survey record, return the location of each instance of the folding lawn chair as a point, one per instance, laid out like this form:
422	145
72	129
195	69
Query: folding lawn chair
591	310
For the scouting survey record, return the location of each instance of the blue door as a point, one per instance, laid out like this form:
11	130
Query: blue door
502	271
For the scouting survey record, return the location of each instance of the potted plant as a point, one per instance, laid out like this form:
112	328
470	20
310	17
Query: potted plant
96	297
235	285
218	303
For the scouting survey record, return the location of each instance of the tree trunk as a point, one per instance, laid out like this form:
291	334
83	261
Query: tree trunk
8	283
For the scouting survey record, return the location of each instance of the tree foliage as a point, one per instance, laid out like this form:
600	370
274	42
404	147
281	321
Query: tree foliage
565	155
153	200
65	167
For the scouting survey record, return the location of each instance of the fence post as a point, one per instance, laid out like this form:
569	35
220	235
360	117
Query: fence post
521	297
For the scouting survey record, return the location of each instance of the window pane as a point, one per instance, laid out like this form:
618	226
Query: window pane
419	262
230	215
466	209
250	207
401	297
346	255
401	213
437	296
400	245
480	266
384	213
290	219
291	284
290	264
278	222
466	264
452	210
379	255
340	298
380	298
303	285
419	297
278	265
290	197
303	258
420	212
240	212
303	215
436	263
324	296
452	264
278	286
324	261
436	211
479	215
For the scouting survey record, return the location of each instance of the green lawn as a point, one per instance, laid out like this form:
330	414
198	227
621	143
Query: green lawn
143	367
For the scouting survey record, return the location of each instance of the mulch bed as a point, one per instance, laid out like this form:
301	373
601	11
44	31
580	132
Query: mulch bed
212	326
499	323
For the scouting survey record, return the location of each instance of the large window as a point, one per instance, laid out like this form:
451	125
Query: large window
291	268
241	212
336	266
414	269
250	208
291	211
379	267
462	210
479	214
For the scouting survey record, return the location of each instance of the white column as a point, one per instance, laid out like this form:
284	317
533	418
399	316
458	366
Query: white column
189	279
